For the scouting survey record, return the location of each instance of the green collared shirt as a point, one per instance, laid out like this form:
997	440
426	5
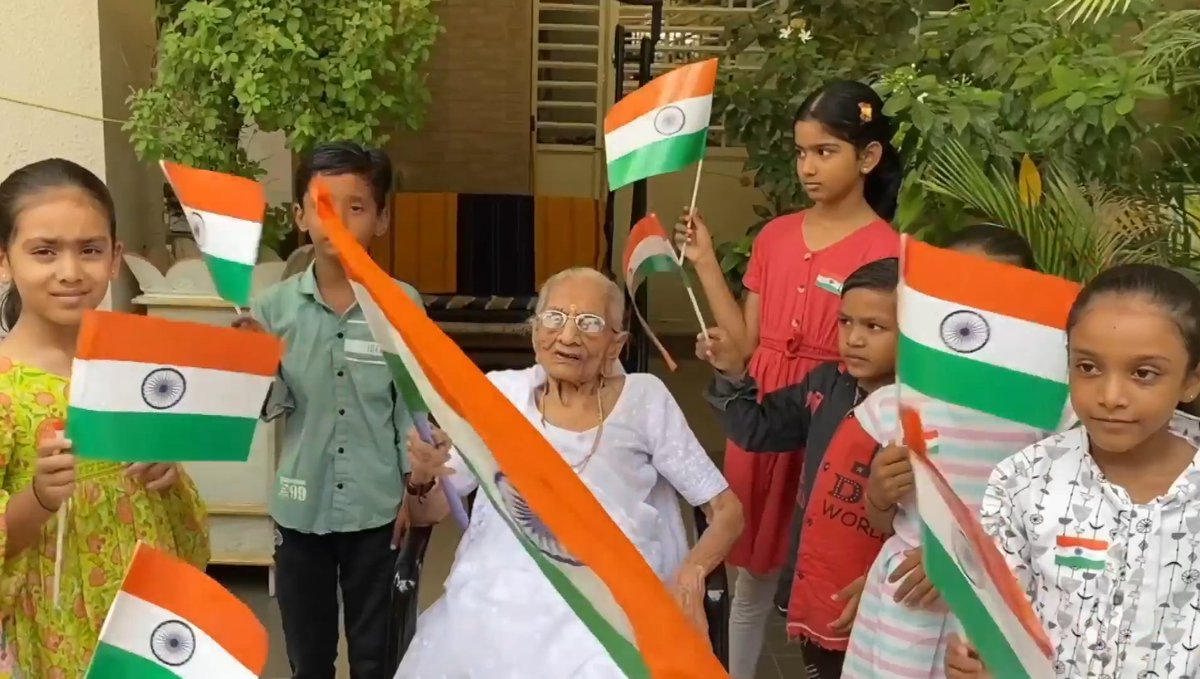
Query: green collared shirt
343	454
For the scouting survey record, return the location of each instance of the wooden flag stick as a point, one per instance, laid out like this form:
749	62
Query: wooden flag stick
687	283
56	586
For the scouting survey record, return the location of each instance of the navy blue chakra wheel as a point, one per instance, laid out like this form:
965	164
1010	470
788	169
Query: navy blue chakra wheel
533	528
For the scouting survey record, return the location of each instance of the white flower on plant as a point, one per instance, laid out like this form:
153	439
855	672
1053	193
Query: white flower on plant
805	35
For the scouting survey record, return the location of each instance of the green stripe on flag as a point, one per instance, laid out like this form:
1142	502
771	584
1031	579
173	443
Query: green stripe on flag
998	391
977	622
110	662
159	437
656	264
405	385
233	280
1079	563
661	157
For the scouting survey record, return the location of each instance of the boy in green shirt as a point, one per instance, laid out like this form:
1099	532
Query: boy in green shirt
340	479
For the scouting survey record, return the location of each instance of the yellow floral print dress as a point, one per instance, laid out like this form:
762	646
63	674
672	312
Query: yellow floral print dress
110	512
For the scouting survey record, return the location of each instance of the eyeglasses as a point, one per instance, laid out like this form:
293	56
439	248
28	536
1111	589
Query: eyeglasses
588	324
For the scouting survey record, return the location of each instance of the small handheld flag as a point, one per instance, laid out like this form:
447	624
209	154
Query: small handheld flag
170	620
148	389
225	213
648	251
964	565
662	127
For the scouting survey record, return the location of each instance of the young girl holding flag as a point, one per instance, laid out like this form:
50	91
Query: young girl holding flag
788	323
58	254
1101	523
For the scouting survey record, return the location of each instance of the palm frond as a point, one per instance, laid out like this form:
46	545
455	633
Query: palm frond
1075	231
1172	48
1082	10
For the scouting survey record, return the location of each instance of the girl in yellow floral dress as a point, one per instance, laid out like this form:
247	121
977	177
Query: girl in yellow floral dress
58	253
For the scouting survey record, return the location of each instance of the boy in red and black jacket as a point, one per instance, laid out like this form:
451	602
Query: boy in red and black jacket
833	544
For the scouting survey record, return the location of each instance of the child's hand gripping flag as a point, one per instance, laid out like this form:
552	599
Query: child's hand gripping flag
970	573
171	621
152	390
226	214
584	555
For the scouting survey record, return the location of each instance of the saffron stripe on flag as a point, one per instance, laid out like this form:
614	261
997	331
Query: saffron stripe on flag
156	577
991	389
217	192
159	437
133	625
1019	293
1086	543
123	337
643	130
922	317
661	157
693	80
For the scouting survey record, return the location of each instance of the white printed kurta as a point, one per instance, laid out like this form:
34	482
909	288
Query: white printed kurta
500	618
1116	584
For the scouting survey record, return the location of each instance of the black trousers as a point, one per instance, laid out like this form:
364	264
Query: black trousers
821	663
309	569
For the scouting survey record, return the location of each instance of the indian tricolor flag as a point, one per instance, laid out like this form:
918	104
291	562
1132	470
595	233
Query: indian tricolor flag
170	621
1084	554
152	390
225	213
648	251
984	335
972	576
584	555
661	127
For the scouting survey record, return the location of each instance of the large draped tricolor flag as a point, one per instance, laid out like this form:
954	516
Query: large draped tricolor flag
171	621
972	576
662	127
648	251
147	389
598	572
983	335
225	213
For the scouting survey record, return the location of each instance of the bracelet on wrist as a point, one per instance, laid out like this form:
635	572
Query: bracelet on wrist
41	503
419	490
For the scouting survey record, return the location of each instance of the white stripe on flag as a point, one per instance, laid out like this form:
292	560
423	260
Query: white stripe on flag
465	437
937	516
130	627
648	248
123	386
922	318
229	238
641	131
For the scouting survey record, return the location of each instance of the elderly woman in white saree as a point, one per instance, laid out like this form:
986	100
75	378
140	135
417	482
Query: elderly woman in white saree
628	441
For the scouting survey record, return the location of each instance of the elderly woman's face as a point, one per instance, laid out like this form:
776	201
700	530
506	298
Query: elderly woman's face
572	339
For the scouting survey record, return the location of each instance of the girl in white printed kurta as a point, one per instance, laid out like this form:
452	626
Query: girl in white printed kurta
1101	524
901	629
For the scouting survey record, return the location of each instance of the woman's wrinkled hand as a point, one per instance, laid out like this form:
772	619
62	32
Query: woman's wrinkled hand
429	461
689	590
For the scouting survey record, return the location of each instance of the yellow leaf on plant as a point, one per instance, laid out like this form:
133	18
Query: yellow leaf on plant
1029	183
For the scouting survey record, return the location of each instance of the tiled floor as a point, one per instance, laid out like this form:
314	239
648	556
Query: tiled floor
780	660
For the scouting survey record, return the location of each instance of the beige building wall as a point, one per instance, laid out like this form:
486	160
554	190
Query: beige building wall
82	56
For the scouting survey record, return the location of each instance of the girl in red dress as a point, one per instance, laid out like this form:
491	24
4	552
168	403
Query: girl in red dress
788	322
